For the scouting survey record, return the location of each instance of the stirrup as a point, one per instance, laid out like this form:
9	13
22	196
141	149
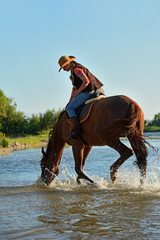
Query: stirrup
74	134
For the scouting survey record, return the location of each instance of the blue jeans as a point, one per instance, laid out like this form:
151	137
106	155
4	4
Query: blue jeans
76	102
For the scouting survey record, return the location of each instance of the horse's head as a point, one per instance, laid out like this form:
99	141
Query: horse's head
51	158
49	167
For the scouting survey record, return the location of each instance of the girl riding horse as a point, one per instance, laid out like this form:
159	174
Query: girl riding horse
84	84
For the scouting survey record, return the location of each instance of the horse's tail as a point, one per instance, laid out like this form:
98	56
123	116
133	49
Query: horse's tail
132	126
138	144
133	122
137	141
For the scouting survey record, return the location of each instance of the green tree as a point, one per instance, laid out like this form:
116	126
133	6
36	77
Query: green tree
156	120
34	125
15	124
4	103
6	107
48	119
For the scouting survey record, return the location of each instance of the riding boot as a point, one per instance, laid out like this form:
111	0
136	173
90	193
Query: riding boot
75	133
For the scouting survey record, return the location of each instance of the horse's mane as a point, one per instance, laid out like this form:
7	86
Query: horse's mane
53	132
55	126
51	138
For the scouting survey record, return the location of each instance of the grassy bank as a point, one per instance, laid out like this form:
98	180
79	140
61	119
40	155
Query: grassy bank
10	144
151	129
19	143
42	137
31	139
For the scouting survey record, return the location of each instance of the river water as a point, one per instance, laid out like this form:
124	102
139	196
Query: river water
65	210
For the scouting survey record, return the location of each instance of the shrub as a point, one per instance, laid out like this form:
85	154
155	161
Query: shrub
5	143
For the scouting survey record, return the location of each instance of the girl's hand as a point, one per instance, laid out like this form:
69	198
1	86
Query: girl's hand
75	93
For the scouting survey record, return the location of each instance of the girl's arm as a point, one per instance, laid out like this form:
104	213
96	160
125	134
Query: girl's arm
85	81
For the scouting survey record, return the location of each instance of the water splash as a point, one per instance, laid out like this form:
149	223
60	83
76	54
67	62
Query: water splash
129	180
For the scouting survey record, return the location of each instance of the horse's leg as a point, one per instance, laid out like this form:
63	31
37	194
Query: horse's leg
78	152
141	153
87	150
124	152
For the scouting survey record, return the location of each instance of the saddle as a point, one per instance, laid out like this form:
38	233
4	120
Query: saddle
84	110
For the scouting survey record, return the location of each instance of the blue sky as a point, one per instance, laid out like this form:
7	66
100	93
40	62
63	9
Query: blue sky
118	40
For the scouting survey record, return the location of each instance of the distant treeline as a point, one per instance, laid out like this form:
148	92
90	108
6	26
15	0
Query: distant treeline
153	125
14	123
155	122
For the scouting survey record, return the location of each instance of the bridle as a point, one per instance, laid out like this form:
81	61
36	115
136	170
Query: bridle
46	169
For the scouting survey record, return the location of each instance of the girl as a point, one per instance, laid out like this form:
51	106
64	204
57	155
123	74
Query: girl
84	85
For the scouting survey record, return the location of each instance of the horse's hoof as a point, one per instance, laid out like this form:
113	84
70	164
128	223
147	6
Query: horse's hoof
78	181
114	177
91	183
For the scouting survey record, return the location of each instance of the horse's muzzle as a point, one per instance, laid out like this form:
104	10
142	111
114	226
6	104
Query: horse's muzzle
48	176
47	180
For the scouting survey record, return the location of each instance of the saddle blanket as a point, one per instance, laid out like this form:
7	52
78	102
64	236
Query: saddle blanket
84	112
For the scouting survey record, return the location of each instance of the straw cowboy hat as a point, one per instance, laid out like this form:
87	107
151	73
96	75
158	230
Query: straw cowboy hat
64	60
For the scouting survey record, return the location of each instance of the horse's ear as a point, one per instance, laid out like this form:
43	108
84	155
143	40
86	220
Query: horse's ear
43	152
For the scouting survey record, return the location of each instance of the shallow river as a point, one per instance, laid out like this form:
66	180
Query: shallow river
65	210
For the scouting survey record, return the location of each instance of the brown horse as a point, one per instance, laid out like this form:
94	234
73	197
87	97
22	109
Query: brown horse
110	119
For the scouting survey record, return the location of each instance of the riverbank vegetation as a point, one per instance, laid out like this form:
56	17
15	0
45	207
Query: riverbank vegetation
15	126
152	125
